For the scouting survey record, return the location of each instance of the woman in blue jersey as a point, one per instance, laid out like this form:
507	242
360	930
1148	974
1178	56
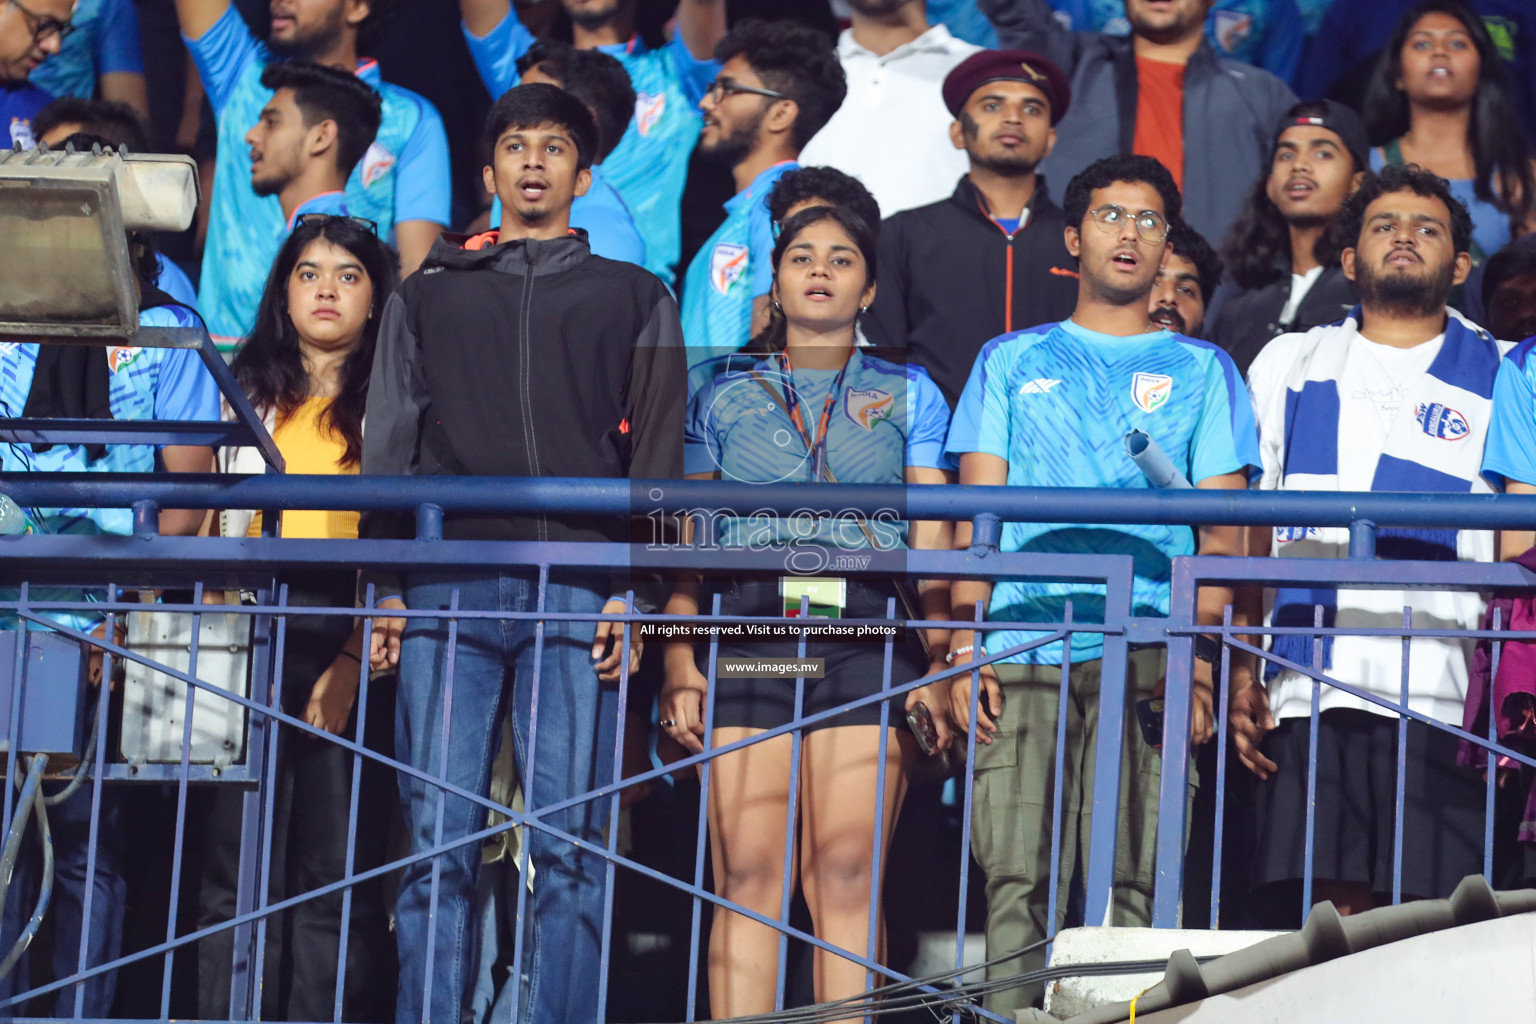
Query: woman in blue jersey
1440	99
813	408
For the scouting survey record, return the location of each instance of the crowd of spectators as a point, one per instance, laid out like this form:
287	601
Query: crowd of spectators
971	241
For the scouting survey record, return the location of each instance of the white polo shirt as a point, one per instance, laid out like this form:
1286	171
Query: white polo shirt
892	131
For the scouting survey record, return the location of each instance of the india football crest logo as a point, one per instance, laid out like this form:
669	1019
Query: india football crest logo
376	163
870	408
1232	29
726	264
1442	421
1151	391
121	356
648	110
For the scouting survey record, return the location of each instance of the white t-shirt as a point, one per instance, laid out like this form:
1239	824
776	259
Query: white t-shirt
892	131
1375	384
1373	388
1300	285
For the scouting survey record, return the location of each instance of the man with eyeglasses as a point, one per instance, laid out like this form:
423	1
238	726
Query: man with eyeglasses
1049	407
29	35
779	82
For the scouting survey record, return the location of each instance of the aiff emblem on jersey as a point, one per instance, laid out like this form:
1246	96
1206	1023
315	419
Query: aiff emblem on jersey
648	110
122	356
726	264
869	408
376	163
1232	29
1442	421
1151	391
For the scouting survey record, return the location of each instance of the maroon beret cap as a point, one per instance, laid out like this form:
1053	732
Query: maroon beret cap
1007	66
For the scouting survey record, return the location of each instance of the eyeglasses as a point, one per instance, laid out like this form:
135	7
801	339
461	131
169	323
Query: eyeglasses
42	27
1150	225
723	87
326	218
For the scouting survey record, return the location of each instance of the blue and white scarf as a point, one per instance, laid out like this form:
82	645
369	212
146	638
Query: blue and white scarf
1434	445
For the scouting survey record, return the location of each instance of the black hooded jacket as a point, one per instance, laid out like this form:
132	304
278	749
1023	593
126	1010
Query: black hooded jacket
528	358
951	279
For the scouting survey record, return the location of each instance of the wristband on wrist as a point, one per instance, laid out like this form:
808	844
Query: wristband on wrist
354	657
949	659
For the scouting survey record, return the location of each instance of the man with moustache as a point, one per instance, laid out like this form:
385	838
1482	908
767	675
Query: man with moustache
778	84
989	259
28	36
1163	91
402	183
1396	397
1185	283
891	132
312	132
1042	407
1285	268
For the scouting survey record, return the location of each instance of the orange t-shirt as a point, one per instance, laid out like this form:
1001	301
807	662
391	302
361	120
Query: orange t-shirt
1160	114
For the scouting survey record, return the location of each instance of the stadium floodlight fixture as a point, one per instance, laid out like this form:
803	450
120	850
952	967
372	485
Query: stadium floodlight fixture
66	273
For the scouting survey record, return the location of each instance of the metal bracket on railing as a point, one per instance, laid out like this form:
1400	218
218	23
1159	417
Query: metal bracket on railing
1362	539
986	534
146	519
429	521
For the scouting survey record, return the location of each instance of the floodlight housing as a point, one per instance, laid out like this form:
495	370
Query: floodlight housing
65	269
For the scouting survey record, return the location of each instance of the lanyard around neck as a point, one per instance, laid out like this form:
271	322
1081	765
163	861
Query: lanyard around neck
815	446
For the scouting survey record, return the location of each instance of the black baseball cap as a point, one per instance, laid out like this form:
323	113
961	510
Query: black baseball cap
1334	116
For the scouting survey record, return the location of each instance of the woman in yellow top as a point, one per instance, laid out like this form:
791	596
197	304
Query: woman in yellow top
305	367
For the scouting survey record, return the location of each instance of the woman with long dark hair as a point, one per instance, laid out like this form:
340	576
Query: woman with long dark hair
812	408
1440	99
305	367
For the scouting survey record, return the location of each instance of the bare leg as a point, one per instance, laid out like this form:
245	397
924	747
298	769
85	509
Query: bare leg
748	815
840	774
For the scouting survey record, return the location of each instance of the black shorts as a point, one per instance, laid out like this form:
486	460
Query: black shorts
1357	803
853	669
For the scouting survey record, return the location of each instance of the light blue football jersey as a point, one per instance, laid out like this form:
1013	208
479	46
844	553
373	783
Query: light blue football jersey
1056	401
649	167
1510	451
105	41
403	176
146	384
885	417
731	269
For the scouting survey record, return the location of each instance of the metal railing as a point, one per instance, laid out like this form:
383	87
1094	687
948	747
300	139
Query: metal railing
147	560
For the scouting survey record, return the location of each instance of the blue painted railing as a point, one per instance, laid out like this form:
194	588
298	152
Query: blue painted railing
146	559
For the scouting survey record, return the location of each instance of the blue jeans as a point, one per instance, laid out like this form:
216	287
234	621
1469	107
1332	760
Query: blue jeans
69	823
573	754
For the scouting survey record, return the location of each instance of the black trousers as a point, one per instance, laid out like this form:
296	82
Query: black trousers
311	833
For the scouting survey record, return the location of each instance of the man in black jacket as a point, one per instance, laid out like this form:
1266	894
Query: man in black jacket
991	258
1283	260
516	353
